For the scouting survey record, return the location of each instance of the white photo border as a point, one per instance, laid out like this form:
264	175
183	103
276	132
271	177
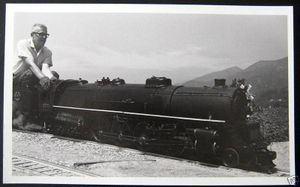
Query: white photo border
12	9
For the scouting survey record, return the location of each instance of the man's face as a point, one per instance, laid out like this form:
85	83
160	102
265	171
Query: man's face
39	37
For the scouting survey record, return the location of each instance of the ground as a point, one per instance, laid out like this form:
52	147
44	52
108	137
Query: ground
121	162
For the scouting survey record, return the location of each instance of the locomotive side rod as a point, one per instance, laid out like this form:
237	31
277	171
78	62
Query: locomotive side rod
138	114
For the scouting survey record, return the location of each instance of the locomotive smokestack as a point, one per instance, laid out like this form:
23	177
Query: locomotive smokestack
220	82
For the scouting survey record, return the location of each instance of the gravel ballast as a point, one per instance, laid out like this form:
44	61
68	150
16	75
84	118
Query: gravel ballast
123	162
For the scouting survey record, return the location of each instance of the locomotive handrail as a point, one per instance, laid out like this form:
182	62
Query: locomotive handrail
139	114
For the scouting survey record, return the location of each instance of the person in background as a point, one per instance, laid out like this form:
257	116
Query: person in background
31	72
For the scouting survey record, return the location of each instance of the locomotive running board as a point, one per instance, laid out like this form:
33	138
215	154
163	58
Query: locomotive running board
138	114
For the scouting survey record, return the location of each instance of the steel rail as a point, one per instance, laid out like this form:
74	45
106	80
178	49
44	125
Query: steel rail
45	168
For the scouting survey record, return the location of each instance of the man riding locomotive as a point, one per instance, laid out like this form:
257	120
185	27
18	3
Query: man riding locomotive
31	72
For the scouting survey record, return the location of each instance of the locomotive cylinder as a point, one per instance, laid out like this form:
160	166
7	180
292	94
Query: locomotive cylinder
205	140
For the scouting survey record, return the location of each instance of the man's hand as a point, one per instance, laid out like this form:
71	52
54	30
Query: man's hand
45	83
53	79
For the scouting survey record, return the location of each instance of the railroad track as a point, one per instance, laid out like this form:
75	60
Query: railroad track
37	167
278	172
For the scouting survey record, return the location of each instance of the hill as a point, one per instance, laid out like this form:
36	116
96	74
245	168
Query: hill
269	79
208	79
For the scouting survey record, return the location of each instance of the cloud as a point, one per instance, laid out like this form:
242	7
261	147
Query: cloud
145	43
97	61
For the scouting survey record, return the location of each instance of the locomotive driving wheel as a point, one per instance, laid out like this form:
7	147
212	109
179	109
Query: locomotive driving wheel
142	134
230	157
97	132
96	135
122	132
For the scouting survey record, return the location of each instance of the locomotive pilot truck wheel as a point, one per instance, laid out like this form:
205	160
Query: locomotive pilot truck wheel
230	157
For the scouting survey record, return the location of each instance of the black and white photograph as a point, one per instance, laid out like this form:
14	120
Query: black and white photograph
148	94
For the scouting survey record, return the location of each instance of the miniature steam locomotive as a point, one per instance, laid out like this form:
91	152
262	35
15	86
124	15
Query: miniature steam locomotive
211	121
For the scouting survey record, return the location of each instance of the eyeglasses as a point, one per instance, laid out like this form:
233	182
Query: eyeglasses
44	35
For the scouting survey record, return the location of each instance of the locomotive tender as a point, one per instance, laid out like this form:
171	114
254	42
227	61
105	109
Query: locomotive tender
212	121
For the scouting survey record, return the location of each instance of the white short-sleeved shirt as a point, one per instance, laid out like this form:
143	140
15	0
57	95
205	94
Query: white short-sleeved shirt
26	49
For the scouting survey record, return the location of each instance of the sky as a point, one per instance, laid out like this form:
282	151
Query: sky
136	46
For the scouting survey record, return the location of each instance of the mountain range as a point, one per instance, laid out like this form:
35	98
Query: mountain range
269	79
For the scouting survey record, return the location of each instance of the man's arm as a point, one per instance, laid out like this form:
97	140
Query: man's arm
34	68
27	58
46	71
44	80
23	51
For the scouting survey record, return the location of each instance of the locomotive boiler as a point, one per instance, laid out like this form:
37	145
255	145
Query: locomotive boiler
211	121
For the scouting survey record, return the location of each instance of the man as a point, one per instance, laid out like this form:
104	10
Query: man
31	72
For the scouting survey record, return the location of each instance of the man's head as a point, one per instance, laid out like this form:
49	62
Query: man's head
39	35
